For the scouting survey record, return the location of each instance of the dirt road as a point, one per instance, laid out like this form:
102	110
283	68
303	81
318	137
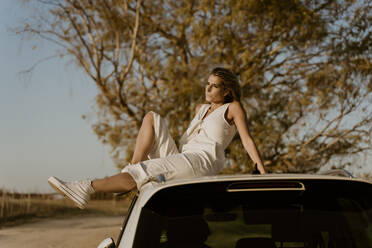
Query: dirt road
82	232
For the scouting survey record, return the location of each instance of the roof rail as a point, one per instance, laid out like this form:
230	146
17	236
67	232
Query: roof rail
337	172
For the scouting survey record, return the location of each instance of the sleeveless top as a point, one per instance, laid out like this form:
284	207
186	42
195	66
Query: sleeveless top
209	136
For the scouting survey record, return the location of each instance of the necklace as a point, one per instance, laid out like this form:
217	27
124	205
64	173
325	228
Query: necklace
210	110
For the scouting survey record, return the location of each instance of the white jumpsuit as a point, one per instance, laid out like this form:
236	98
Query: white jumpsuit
202	149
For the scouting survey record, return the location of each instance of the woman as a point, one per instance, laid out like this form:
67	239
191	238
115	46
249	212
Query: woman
201	147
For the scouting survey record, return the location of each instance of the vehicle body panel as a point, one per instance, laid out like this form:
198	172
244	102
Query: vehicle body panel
126	240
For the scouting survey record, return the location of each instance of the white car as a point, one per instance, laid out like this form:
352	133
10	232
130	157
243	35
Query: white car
242	211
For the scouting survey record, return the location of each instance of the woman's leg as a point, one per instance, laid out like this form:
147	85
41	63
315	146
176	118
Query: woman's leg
119	183
79	191
124	182
145	139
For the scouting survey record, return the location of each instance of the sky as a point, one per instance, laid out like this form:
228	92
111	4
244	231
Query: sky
42	132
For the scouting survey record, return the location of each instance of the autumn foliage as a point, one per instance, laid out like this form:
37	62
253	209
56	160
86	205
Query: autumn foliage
305	68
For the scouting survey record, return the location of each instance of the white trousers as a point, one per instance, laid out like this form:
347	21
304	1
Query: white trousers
166	162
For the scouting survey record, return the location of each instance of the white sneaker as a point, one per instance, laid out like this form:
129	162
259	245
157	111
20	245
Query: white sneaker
77	191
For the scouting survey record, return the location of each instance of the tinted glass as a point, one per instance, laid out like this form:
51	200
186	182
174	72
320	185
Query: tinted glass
325	214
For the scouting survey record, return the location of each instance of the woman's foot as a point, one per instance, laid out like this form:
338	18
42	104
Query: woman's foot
77	191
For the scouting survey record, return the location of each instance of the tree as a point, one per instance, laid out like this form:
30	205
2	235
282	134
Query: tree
305	69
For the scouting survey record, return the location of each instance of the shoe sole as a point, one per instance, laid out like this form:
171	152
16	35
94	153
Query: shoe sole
66	192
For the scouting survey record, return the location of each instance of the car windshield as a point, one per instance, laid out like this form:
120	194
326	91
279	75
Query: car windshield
324	214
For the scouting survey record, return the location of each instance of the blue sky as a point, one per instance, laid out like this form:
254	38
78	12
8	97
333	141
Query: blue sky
42	132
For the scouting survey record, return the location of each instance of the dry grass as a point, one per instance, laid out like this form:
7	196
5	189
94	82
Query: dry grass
16	208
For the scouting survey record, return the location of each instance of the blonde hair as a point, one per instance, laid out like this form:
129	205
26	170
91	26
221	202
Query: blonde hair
230	82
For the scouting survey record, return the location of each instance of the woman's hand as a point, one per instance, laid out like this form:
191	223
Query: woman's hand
257	170
262	171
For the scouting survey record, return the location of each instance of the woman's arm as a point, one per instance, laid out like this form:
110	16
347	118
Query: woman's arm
237	113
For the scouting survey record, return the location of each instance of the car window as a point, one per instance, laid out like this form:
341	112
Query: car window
325	214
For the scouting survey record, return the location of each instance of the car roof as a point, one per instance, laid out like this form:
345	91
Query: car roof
152	187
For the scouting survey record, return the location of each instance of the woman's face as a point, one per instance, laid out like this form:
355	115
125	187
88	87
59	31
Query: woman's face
214	90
